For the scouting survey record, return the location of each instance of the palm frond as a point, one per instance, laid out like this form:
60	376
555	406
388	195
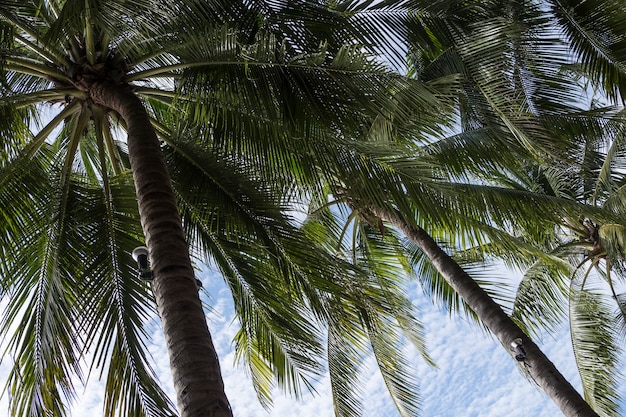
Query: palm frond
595	33
235	225
345	350
595	349
118	307
46	347
395	370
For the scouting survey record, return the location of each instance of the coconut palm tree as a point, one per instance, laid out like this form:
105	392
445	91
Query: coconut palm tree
589	49
500	66
586	42
595	31
514	94
74	73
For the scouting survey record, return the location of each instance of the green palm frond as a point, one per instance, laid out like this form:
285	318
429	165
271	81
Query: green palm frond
280	344
118	306
474	153
382	253
595	349
274	335
509	57
620	299
263	261
613	241
594	30
386	315
540	302
608	175
346	347
46	347
13	132
396	371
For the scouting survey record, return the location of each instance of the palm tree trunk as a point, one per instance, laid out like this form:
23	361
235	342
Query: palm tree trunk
540	368
193	359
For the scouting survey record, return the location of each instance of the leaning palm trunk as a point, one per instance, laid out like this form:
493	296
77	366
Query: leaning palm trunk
539	367
193	360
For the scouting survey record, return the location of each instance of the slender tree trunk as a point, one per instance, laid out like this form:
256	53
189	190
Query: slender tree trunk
540	368
193	359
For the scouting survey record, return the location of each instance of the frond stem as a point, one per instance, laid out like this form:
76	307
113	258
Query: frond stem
116	161
90	44
40	138
105	39
164	132
28	67
344	230
101	127
77	132
50	55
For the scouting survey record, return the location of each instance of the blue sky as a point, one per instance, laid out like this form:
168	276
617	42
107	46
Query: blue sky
475	376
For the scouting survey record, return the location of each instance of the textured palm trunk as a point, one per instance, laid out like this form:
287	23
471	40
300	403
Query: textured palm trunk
540	368
193	359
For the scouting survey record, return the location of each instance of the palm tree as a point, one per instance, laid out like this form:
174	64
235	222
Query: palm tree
592	33
382	219
595	31
514	93
67	235
488	99
56	60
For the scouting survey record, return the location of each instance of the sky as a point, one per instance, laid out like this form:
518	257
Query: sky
474	375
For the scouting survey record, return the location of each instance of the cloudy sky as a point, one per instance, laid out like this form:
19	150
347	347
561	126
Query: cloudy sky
474	377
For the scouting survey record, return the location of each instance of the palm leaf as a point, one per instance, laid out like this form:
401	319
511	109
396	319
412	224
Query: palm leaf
595	349
345	349
595	32
118	306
